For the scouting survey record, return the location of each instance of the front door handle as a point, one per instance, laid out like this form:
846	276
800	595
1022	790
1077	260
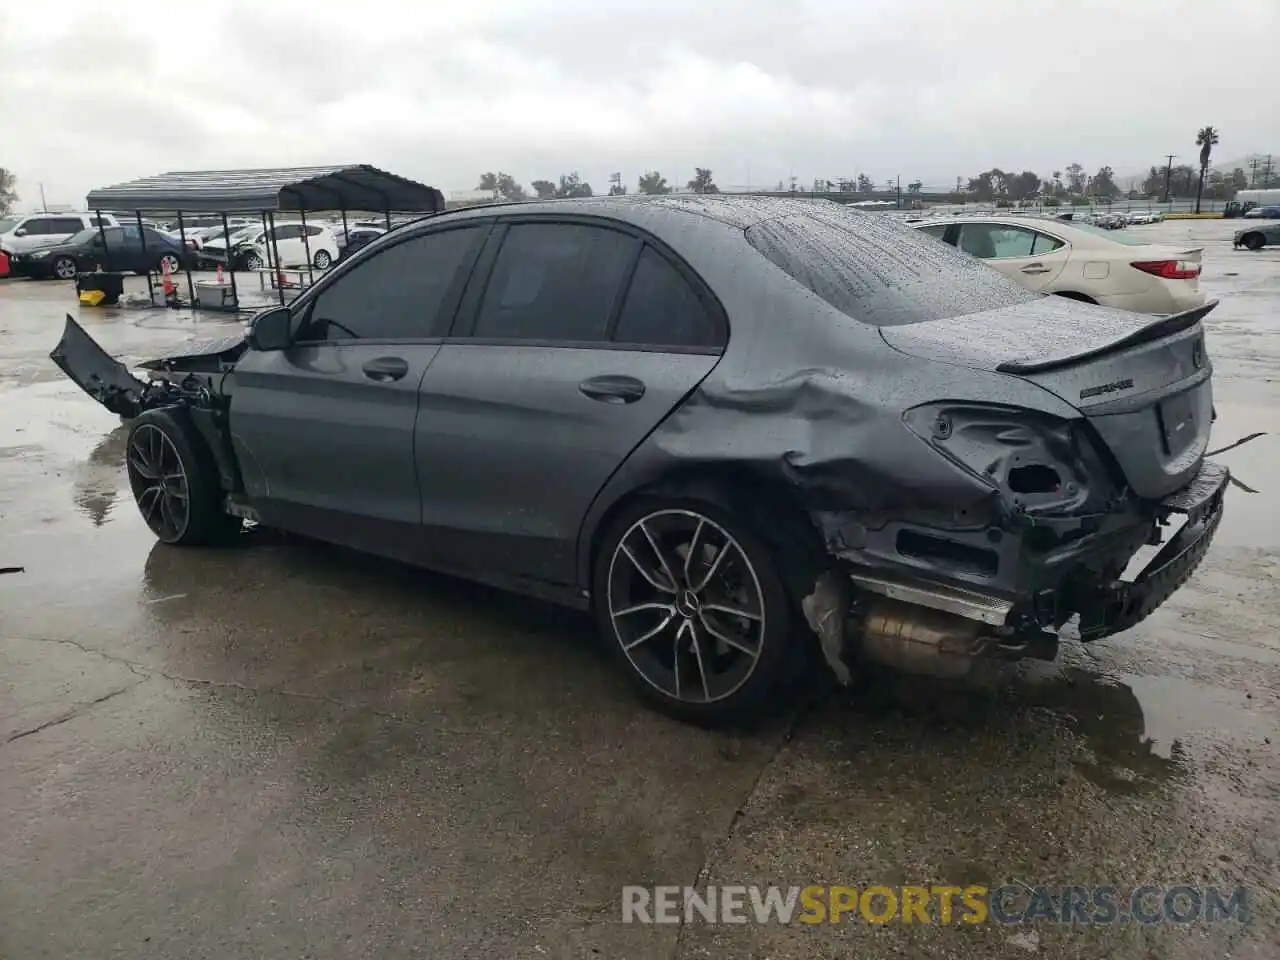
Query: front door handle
385	369
1035	268
612	389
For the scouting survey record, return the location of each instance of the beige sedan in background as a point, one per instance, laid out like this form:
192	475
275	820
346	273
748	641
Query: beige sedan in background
1079	261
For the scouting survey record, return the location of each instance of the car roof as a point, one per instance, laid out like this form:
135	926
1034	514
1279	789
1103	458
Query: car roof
736	211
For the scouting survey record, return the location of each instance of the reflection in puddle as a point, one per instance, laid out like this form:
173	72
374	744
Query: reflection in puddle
97	481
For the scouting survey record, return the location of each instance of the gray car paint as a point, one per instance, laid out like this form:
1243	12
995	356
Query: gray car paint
810	407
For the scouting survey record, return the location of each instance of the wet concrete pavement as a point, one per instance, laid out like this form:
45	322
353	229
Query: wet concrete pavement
289	750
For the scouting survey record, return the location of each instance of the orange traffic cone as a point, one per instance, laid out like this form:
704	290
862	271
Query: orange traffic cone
281	279
220	278
167	281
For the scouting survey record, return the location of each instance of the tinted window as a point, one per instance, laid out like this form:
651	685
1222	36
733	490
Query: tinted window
554	281
313	231
290	231
398	293
64	225
935	230
36	228
877	270
663	309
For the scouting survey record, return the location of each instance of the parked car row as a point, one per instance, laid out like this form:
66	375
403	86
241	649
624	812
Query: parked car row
122	247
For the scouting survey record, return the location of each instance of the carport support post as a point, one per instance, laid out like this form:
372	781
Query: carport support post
346	234
306	248
275	252
102	235
231	264
142	236
182	239
387	214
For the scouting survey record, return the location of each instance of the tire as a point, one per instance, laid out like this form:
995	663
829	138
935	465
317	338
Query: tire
684	654
322	260
63	268
1080	297
174	262
1254	241
175	481
253	262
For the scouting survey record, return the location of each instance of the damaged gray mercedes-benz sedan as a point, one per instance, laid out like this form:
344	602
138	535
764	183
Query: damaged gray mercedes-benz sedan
712	421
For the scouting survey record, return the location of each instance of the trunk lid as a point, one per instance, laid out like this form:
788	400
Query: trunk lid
1142	381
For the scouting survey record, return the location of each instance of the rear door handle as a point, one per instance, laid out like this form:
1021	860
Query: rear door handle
385	369
1035	268
612	388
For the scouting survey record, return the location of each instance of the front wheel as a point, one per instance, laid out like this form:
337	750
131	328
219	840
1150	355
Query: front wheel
175	481
64	268
253	262
169	262
322	260
1254	241
691	603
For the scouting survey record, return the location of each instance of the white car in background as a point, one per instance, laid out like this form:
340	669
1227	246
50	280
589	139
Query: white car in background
1079	261
293	250
22	234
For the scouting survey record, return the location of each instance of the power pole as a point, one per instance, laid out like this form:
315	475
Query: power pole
1168	173
1253	172
1266	176
899	206
44	207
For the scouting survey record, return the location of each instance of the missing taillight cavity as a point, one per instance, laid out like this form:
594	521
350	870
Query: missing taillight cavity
1034	478
1169	269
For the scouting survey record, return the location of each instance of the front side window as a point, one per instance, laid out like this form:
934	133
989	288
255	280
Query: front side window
398	294
554	281
64	225
662	308
36	227
938	230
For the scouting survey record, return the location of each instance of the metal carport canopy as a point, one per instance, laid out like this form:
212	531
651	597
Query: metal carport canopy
349	187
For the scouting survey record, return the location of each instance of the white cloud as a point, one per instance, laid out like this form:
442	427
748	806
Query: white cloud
440	91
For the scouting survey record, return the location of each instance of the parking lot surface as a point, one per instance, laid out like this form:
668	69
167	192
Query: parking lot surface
289	750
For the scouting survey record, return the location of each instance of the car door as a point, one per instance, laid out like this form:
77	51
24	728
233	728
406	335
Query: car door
288	242
1031	257
324	430
531	406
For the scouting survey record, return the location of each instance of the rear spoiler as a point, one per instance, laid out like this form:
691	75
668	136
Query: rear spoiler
1159	327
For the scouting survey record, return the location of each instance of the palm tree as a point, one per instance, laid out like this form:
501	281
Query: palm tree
1205	140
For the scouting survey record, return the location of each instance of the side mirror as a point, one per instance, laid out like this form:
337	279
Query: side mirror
20	232
272	330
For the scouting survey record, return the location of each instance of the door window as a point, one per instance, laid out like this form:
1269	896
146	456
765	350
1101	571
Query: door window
996	241
56	225
663	309
554	281
938	230
1046	244
290	231
36	228
398	294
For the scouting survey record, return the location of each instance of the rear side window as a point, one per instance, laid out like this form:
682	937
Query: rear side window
663	309
938	230
878	270
64	225
554	281
398	294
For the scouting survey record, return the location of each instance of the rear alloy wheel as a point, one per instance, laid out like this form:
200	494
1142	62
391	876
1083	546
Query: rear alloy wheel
322	260
64	268
1254	241
253	262
169	261
694	609
174	480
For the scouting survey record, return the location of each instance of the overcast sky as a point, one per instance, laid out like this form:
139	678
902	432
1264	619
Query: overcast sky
758	91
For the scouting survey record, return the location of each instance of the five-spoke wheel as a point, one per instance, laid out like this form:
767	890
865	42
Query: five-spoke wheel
159	481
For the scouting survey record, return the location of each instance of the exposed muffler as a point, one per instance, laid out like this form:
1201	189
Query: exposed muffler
916	639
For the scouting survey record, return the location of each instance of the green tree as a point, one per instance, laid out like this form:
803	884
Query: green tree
1104	183
572	185
1024	185
545	189
702	182
1058	187
8	196
1238	180
1076	178
1206	137
502	185
915	186
865	185
652	183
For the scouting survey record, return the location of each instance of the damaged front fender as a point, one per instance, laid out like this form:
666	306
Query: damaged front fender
97	373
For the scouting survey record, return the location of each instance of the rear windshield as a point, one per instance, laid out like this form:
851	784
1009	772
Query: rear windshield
878	270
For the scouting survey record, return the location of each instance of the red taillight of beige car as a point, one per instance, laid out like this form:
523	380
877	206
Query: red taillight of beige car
1169	269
